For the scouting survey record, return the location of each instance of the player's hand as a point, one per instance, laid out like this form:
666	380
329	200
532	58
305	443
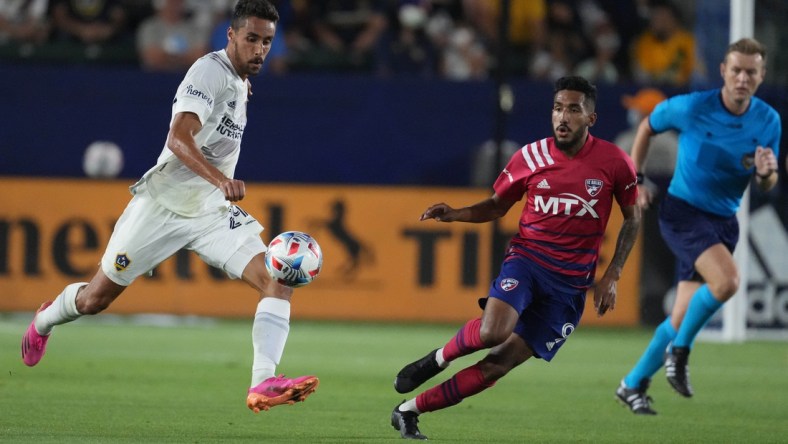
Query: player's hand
765	161
233	189
605	295
645	196
440	212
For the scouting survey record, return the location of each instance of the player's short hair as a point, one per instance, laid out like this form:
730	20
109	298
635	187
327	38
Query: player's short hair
580	84
262	9
748	46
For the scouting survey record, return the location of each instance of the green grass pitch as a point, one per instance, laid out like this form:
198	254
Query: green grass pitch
125	382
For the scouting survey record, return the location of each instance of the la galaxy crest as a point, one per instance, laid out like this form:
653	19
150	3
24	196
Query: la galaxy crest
122	261
593	186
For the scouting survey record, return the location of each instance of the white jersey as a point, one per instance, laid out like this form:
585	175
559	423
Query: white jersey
214	91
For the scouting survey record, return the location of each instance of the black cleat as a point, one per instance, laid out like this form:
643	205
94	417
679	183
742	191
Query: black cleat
417	373
636	399
407	423
677	371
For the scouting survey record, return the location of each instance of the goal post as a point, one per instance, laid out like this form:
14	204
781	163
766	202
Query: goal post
734	312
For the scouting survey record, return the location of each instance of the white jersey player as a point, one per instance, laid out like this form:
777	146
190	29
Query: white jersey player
186	201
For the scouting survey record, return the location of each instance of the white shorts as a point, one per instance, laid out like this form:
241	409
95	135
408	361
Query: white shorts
147	233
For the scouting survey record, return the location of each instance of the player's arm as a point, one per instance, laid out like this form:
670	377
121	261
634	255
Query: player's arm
489	209
180	140
765	168
605	289
639	152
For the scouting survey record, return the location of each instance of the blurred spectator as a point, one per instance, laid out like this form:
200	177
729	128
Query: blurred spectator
527	27
407	48
662	149
136	12
601	68
24	21
629	18
89	21
276	60
565	44
464	57
169	41
207	13
349	31
664	53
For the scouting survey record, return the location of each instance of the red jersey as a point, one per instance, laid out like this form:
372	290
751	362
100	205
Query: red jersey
568	204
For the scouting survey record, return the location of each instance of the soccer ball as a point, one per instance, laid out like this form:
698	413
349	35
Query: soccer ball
293	259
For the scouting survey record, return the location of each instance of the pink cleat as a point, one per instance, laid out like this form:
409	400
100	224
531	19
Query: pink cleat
278	390
33	344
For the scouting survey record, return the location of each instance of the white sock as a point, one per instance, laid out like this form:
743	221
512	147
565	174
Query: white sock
62	310
269	335
409	406
442	363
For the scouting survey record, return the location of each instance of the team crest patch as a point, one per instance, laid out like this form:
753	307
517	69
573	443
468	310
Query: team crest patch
122	262
509	284
593	186
748	161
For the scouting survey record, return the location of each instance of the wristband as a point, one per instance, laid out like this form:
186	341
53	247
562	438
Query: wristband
641	178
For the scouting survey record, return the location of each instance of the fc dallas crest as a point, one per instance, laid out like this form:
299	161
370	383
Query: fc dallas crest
593	186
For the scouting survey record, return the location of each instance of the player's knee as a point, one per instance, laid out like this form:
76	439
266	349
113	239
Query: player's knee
492	336
726	287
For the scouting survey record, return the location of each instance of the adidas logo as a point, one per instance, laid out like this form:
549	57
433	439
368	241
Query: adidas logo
543	185
551	344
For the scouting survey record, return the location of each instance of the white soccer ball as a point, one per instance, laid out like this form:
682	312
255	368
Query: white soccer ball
293	259
102	160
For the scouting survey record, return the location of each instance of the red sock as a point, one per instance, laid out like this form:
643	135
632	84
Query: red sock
467	382
465	342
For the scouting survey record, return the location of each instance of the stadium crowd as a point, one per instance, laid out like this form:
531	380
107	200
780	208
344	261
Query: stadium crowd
606	41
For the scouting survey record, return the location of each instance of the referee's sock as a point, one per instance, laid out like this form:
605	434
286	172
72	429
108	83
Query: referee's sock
701	308
652	358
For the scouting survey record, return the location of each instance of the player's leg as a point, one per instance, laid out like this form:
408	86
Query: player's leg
126	257
465	383
702	245
498	319
269	335
75	300
238	249
501	311
718	268
633	388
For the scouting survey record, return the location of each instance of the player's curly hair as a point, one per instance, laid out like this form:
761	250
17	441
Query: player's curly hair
262	9
580	84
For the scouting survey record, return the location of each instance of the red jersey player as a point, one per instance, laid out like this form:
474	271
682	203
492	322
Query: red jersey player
536	301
